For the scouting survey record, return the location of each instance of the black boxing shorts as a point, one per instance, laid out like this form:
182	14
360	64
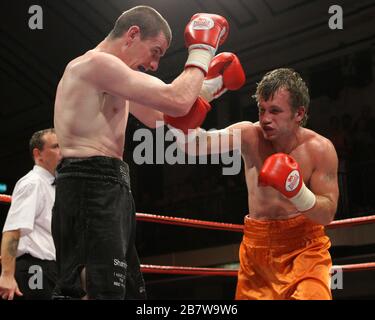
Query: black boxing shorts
93	227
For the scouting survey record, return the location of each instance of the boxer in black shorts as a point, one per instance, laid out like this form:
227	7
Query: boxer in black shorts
93	222
93	227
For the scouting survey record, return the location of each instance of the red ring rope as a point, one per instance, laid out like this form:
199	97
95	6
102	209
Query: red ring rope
189	222
5	198
226	226
220	225
145	268
238	227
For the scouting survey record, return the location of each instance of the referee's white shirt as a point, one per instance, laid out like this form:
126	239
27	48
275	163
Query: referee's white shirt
31	212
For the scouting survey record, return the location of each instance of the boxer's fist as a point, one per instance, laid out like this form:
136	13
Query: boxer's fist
203	34
206	31
193	119
282	172
225	73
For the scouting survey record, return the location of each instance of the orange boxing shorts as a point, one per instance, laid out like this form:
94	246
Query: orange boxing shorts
284	259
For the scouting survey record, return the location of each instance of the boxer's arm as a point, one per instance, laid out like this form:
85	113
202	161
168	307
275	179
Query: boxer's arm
146	115
202	142
323	183
225	73
110	75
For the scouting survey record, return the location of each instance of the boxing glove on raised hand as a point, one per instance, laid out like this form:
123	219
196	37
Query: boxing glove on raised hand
282	172
203	34
224	73
193	119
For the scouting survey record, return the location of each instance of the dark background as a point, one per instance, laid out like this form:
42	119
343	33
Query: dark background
338	66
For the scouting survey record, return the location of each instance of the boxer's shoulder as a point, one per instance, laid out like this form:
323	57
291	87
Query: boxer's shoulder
249	136
316	144
92	59
313	138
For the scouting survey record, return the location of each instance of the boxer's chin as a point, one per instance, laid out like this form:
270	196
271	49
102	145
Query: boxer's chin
269	135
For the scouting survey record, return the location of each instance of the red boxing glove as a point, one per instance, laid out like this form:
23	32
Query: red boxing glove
282	172
225	73
193	119
203	34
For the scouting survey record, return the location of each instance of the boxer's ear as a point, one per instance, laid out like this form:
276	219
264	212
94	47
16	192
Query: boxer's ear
133	32
300	113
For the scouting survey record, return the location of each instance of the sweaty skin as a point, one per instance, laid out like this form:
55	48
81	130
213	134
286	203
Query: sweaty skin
278	130
99	89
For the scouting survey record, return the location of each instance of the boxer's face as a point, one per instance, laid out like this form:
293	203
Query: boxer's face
276	117
144	55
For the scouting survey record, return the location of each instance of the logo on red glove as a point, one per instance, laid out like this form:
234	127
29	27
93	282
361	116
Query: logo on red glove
203	23
292	181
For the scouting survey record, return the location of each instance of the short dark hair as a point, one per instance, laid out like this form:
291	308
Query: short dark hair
290	80
146	18
37	140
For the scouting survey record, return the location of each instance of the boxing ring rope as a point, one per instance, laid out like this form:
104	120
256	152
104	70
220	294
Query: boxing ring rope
189	222
221	225
157	269
239	227
5	198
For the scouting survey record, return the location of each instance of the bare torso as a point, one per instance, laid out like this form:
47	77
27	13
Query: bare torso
88	122
265	202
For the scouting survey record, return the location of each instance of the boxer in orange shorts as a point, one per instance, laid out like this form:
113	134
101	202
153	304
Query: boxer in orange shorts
291	177
284	259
